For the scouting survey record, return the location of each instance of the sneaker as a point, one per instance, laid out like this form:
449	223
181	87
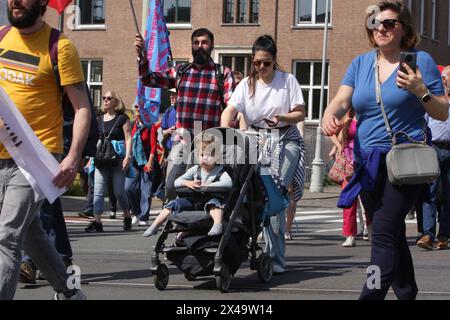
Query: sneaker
142	223
88	214
277	269
77	295
365	236
349	242
94	226
134	221
127	223
288	235
112	215
442	244
425	242
27	273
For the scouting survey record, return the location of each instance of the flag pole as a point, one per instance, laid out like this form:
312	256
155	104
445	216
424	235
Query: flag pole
142	54
134	17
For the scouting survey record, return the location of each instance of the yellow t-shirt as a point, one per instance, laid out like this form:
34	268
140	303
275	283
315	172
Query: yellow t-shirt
27	76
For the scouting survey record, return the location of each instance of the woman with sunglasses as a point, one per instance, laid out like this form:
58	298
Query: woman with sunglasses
117	124
272	99
406	97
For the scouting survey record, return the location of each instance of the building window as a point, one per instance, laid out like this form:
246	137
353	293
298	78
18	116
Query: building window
92	12
93	73
448	30
240	11
309	76
435	20
425	15
177	11
237	62
311	12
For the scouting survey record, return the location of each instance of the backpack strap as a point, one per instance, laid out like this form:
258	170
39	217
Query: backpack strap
4	31
181	72
220	70
53	50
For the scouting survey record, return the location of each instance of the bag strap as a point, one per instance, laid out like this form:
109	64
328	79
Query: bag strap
393	136
4	31
220	70
113	127
53	50
180	73
380	100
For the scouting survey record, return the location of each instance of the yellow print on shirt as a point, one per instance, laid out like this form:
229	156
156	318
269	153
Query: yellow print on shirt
18	67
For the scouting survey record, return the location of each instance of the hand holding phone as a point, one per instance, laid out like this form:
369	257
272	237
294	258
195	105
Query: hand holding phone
410	58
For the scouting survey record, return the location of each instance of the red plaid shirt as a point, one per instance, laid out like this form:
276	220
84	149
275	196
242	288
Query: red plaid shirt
198	93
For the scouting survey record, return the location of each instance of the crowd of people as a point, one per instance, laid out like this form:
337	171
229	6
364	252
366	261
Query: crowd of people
150	161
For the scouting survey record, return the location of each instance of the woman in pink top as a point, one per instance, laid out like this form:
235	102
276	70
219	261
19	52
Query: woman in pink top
344	144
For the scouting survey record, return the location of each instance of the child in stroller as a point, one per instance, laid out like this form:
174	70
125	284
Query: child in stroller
206	173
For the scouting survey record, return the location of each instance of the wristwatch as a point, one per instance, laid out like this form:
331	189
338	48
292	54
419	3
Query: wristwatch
426	97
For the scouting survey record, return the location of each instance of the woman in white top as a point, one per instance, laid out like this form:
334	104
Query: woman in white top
272	99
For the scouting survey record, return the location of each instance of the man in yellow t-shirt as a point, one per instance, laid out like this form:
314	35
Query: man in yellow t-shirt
27	76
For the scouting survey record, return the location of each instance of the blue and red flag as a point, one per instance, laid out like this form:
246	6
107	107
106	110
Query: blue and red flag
158	54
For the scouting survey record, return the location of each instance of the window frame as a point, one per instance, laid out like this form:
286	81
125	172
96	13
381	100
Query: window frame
313	24
434	20
182	25
88	77
236	12
448	29
311	87
231	51
79	26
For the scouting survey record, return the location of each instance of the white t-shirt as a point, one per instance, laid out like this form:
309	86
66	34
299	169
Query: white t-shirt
281	96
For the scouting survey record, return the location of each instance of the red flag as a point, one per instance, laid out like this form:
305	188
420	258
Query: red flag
59	5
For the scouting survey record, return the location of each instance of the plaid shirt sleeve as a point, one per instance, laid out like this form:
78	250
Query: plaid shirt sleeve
164	79
228	86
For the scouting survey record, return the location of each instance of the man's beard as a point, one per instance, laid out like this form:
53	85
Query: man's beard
201	56
29	17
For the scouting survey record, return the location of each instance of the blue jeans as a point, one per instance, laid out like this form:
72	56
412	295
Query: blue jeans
118	179
182	204
52	218
430	208
139	193
274	234
90	195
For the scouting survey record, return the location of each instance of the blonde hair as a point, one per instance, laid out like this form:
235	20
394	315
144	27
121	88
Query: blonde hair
120	106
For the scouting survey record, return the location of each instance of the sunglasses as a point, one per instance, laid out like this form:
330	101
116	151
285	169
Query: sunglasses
264	63
387	23
107	98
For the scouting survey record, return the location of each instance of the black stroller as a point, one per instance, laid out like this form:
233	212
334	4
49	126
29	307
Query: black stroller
199	255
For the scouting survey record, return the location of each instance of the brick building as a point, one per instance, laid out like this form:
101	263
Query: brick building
103	32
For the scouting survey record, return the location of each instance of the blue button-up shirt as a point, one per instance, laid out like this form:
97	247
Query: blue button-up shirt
440	130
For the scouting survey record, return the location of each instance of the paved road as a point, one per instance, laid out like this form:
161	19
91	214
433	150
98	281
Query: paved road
115	265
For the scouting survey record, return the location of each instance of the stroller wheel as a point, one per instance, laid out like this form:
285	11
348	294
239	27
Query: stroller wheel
223	280
161	277
190	277
264	267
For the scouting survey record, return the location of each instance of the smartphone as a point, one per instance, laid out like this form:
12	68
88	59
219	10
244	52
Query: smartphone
410	58
269	122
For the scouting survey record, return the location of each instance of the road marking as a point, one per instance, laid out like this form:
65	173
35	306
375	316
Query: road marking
329	230
248	288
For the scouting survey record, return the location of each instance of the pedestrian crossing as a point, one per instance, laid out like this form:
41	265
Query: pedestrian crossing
327	220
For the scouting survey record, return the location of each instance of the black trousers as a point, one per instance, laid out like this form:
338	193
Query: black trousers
387	207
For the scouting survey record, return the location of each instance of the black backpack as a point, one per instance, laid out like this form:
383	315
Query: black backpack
106	155
68	113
